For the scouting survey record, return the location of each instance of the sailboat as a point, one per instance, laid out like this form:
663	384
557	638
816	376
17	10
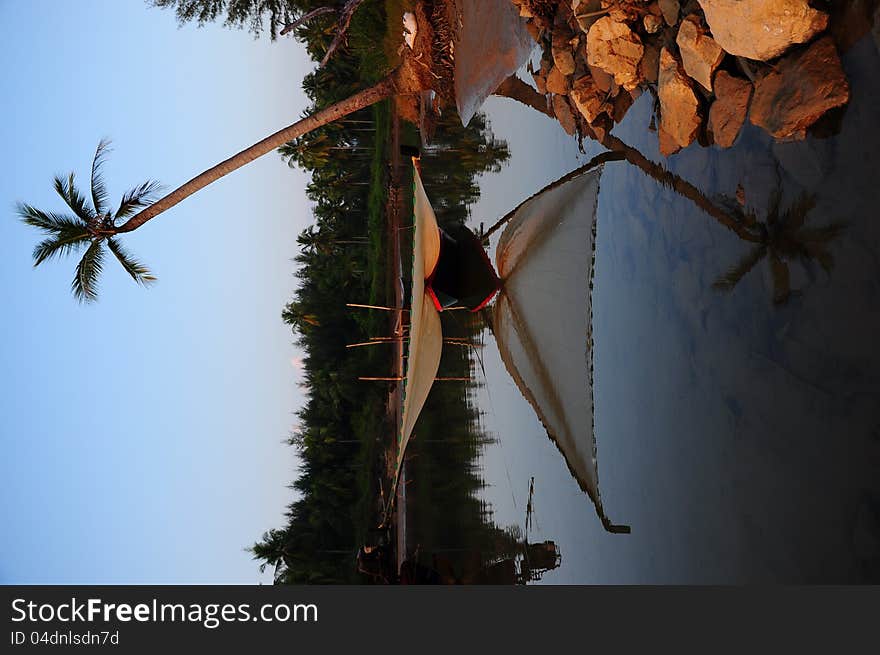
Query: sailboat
450	269
542	318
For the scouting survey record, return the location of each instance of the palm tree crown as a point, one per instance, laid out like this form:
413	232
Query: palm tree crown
90	227
785	238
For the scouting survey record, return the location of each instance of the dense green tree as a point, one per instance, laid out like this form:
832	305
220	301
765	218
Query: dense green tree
256	16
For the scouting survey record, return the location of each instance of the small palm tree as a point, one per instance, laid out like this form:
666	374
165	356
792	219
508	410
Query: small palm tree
90	227
785	239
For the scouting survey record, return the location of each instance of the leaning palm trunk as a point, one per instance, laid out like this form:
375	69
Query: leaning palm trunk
516	89
392	84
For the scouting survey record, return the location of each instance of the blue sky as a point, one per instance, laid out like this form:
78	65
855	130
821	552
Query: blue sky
142	437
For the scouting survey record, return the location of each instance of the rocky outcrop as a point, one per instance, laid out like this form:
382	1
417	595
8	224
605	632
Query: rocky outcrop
588	98
762	29
650	65
561	50
564	115
679	107
557	82
599	55
728	113
800	90
700	55
669	9
616	49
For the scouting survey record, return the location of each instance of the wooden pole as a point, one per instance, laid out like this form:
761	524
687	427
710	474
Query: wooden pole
398	379
385	309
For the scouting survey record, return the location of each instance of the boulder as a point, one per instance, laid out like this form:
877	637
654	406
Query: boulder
616	49
535	31
585	13
652	23
588	99
679	108
564	114
800	90
650	65
561	50
557	82
728	113
762	29
622	103
602	79
700	55
540	83
670	11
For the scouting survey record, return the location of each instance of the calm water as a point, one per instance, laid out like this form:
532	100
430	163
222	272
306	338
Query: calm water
739	439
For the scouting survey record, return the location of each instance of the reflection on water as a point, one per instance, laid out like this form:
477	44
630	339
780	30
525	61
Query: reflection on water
736	384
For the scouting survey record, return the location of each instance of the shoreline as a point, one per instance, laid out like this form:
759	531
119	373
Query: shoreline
393	410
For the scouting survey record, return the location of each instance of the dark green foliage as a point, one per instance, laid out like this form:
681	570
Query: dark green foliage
343	258
255	15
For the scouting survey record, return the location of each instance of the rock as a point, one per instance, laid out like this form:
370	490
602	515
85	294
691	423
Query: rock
564	114
561	50
762	29
679	107
728	113
616	49
557	82
535	31
652	23
650	65
540	83
800	90
602	79
668	145
699	52
585	13
670	11
588	99
622	103
601	127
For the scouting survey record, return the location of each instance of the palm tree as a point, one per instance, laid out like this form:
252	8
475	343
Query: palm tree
785	239
96	226
90	227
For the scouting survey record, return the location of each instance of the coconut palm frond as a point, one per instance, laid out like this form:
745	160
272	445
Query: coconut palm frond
795	216
60	244
99	189
85	282
822	234
72	196
731	278
48	222
818	252
781	279
139	273
137	198
775	202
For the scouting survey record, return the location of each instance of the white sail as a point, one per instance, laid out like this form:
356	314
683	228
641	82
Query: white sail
425	336
491	43
543	318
